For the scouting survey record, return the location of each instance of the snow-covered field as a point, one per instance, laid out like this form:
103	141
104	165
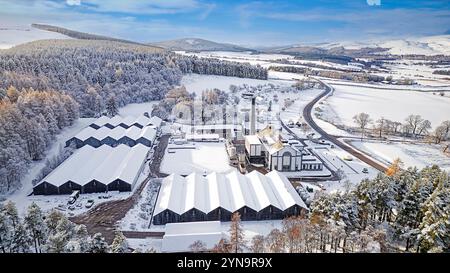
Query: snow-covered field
396	105
198	83
137	109
418	155
209	157
15	35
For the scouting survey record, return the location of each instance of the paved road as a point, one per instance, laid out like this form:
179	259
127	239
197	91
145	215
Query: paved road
333	139
103	217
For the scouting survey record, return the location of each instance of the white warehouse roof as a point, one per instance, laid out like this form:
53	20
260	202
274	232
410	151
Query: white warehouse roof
116	133
230	191
128	121
179	237
104	164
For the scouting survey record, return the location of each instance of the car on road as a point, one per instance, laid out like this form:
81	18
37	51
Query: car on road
348	158
365	170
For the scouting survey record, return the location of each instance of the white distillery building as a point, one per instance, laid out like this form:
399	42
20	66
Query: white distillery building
92	169
216	196
268	149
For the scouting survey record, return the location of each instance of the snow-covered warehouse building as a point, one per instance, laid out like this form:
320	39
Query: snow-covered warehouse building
126	122
178	237
114	137
92	169
216	196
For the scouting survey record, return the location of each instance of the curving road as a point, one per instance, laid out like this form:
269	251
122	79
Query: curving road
333	139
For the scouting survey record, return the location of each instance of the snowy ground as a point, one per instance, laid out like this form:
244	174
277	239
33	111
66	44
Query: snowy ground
137	109
138	218
209	157
146	244
396	105
419	155
15	35
198	83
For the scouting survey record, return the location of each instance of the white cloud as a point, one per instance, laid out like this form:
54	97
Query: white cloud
374	2
73	2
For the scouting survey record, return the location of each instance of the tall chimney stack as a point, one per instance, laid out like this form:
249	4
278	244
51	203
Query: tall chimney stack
253	117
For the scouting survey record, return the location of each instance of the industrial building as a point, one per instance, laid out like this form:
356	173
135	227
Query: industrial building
267	148
113	137
216	196
178	237
92	169
126	122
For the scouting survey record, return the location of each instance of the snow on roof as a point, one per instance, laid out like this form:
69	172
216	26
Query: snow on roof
202	136
85	133
179	237
217	126
117	133
155	121
127	121
148	133
253	139
230	191
104	164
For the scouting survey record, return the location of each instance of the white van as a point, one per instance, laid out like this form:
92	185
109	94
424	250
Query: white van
74	196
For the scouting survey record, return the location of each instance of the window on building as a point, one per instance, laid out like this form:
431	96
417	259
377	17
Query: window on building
286	160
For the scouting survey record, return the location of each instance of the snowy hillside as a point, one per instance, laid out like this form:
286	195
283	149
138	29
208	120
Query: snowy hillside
194	44
11	36
434	45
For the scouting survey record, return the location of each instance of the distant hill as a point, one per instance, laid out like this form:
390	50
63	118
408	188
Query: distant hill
81	35
15	35
431	45
195	44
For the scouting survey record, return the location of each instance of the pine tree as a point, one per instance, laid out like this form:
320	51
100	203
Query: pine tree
20	241
99	244
119	244
435	227
6	231
236	233
34	223
111	107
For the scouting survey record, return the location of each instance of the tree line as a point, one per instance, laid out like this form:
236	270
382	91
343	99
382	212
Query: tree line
211	66
401	211
29	122
50	232
414	126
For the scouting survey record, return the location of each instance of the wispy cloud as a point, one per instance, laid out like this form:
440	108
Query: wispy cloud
141	7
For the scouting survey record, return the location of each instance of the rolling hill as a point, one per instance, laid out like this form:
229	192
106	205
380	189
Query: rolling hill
195	44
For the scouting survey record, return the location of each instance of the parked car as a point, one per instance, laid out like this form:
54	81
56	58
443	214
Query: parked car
73	197
89	203
365	170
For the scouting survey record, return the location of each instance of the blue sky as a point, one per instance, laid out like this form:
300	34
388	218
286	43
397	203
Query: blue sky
262	23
